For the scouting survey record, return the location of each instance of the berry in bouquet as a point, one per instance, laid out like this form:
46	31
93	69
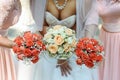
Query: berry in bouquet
28	47
60	42
89	52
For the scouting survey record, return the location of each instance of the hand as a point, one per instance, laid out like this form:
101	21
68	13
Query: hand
64	67
5	42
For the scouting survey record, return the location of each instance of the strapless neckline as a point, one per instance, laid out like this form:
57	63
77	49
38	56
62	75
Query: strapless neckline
52	20
61	19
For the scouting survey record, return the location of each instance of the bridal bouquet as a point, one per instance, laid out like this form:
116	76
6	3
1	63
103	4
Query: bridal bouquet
28	47
60	42
89	52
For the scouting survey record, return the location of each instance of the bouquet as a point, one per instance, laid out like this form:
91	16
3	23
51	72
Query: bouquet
60	42
89	52
28	47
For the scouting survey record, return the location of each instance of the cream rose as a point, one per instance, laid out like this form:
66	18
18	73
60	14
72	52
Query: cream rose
57	27
68	31
58	39
67	47
48	36
53	48
74	42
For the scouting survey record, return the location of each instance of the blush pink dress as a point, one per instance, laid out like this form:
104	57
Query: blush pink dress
109	12
9	11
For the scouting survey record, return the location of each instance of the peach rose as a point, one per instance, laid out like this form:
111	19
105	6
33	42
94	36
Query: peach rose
57	27
53	48
67	47
68	31
58	40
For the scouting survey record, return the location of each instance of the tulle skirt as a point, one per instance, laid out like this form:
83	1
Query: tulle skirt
7	68
110	69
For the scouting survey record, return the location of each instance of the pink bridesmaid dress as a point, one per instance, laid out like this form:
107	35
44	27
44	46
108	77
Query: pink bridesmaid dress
109	12
9	12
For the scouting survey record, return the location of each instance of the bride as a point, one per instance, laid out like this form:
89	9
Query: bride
71	13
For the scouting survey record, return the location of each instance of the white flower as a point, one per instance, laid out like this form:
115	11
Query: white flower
69	40
60	50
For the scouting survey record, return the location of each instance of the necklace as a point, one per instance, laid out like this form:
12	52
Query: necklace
60	7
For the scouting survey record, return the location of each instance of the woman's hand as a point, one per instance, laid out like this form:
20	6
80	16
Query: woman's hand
64	67
5	42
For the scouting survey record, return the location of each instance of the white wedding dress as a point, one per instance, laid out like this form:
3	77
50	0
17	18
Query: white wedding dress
46	67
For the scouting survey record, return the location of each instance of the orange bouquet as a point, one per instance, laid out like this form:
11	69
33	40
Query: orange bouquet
89	52
28	47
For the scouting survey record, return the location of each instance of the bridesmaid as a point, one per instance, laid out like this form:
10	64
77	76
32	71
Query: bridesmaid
9	14
109	11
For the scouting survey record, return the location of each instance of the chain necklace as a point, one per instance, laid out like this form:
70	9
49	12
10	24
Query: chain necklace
58	6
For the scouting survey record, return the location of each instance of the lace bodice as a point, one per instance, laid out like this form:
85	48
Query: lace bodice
52	20
9	14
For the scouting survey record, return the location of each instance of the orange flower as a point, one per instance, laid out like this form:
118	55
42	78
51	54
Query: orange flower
35	59
39	43
94	42
36	37
79	61
28	35
99	58
79	52
27	52
84	57
19	41
89	63
20	56
35	52
89	47
93	56
16	49
29	43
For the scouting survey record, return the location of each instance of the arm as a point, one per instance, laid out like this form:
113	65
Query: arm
91	24
10	12
6	42
44	30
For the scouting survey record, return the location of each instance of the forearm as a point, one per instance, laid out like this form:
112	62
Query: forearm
90	30
44	30
5	42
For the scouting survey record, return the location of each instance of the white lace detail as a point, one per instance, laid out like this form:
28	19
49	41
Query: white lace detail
52	20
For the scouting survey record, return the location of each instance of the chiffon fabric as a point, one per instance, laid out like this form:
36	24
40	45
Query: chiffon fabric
109	11
9	13
7	68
